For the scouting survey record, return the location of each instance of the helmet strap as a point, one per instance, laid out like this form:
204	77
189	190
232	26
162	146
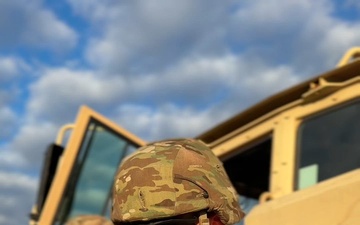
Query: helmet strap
203	219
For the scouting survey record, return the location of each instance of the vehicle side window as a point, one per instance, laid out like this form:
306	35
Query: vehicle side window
249	172
328	145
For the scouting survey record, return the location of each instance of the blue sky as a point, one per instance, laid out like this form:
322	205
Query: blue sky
159	68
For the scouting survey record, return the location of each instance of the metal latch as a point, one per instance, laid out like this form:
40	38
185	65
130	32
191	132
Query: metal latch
320	89
323	88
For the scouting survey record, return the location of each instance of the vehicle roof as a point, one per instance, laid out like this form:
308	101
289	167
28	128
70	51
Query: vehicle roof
275	101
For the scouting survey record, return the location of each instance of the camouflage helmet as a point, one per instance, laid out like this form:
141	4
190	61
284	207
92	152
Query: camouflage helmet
89	220
170	178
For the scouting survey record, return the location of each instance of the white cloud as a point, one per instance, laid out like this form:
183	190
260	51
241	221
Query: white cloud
57	95
16	196
8	120
28	146
351	3
168	121
303	34
268	21
11	159
337	40
8	68
11	68
269	80
4	97
96	11
201	81
197	83
145	36
191	81
142	35
33	25
7	181
148	37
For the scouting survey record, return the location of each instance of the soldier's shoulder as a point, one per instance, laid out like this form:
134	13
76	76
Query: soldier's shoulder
89	220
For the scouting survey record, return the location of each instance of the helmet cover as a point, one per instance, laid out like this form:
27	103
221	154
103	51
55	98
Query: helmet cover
170	178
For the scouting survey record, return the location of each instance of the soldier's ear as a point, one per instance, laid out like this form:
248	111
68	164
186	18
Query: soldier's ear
215	220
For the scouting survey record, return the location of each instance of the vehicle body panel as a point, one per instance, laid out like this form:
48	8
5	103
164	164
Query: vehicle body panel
332	202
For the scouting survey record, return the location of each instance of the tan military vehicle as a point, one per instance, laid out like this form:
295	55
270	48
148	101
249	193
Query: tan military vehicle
294	158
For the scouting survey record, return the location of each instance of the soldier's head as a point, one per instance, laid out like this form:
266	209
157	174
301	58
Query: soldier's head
174	182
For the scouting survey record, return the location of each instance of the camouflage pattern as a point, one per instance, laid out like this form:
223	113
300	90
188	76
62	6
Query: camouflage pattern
170	178
89	220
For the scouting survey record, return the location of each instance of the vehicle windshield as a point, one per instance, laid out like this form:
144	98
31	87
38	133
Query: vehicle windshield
89	188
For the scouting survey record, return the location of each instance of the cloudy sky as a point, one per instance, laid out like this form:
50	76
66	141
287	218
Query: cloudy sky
159	68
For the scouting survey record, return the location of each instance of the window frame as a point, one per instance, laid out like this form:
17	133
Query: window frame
326	111
291	123
56	192
284	123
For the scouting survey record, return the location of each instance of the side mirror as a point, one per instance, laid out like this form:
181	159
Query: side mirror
51	160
